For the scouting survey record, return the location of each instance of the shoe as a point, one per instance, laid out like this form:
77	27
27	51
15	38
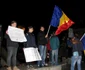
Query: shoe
42	65
15	68
9	68
45	64
31	66
28	66
39	66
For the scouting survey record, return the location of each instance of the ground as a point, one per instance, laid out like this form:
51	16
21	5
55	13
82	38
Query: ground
59	67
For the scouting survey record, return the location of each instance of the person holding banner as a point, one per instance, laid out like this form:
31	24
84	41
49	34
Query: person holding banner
12	48
30	42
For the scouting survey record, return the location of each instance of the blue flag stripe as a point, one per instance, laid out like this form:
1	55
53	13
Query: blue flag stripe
83	41
57	13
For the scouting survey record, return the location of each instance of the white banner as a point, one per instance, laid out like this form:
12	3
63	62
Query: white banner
31	54
16	34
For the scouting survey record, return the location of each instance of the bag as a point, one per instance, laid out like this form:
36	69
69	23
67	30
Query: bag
75	53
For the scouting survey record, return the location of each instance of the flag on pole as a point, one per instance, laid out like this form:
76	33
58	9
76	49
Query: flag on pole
83	41
60	20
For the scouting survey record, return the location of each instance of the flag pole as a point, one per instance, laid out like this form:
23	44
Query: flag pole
82	36
48	30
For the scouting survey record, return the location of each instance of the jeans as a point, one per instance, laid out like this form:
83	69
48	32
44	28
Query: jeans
11	58
75	59
55	57
42	50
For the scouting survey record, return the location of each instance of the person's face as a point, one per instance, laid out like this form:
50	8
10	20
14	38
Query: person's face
14	24
73	39
31	30
42	28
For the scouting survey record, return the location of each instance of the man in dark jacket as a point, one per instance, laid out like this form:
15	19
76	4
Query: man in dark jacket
42	41
30	41
30	38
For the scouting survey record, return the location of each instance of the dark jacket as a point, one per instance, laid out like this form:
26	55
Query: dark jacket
10	43
77	47
30	40
41	38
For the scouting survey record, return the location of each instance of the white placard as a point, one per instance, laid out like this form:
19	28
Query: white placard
31	54
16	34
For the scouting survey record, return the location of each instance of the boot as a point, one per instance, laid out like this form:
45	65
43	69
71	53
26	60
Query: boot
9	68
15	68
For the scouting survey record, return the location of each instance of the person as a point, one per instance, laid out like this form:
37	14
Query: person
30	42
54	43
63	51
1	35
22	27
12	48
42	41
69	43
48	51
20	53
77	49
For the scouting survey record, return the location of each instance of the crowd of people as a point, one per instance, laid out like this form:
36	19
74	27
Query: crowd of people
45	43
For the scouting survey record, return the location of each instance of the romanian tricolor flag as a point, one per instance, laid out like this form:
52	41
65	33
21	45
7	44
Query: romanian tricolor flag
60	20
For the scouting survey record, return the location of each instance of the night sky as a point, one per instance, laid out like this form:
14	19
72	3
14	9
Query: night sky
37	13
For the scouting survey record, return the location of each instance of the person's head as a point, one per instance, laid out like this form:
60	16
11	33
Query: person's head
69	38
73	38
42	28
53	33
30	29
21	27
76	35
14	24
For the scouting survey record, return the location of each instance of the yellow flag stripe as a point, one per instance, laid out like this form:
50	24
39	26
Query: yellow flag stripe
63	19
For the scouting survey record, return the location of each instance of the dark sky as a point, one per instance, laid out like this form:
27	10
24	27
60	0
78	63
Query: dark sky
37	13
